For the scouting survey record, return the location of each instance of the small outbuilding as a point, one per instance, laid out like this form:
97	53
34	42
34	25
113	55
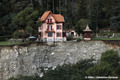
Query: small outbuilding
72	33
87	33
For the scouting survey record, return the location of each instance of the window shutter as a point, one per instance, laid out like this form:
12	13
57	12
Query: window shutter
57	35
48	20
60	26
57	26
60	34
48	27
41	34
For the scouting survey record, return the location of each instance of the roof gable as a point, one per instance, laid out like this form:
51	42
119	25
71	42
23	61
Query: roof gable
57	17
87	28
45	15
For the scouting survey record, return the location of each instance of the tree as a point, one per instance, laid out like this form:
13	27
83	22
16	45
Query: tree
82	9
29	30
6	25
107	66
111	57
115	20
81	25
26	20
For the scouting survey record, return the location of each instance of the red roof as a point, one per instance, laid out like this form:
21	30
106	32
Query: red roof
69	30
87	29
45	15
57	17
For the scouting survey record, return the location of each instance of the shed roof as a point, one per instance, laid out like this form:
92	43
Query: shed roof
87	29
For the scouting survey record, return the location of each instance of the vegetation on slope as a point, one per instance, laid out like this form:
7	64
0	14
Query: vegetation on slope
107	66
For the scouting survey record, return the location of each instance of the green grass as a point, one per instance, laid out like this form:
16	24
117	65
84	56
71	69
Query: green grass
10	43
102	38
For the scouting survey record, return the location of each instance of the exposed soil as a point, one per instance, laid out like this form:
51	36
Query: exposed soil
112	42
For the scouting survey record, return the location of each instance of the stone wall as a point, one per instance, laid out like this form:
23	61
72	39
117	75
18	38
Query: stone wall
27	60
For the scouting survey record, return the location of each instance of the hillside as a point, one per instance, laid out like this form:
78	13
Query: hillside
28	59
77	13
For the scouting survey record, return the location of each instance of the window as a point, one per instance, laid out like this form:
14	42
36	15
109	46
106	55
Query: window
61	18
49	34
58	26
49	20
58	34
49	27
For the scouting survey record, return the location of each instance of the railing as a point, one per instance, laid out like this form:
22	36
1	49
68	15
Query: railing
49	30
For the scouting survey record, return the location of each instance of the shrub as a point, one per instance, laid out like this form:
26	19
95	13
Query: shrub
4	38
108	65
110	57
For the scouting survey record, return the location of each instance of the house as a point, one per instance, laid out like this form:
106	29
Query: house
87	33
52	27
72	33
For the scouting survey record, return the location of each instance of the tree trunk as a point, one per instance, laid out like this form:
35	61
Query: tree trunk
47	5
72	7
31	1
53	7
97	17
59	6
90	8
41	3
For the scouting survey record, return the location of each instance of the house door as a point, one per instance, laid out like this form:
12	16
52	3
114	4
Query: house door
50	36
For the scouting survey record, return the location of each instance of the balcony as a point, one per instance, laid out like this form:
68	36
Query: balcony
49	30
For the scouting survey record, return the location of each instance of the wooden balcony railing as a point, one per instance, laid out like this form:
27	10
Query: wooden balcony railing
48	30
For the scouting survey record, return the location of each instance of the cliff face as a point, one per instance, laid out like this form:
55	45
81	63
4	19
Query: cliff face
27	60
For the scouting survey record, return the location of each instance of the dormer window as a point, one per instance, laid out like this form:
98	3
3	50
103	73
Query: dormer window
61	18
49	20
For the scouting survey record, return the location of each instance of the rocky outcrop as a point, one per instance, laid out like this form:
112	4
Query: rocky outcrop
27	60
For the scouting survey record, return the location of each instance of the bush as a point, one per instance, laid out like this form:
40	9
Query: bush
21	77
4	38
69	38
18	34
110	57
108	65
